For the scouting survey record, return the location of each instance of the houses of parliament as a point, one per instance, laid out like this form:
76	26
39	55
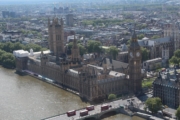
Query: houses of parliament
88	77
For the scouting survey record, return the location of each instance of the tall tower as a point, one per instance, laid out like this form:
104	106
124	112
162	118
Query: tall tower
56	36
172	31
175	36
75	51
135	65
88	83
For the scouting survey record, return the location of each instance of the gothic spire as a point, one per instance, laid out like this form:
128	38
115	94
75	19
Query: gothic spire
134	42
75	42
134	36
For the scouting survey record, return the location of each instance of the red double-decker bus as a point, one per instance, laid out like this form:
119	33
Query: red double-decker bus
71	113
104	107
83	112
89	108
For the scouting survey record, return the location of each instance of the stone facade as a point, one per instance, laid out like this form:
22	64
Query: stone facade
171	30
152	64
90	80
135	57
163	47
56	36
167	87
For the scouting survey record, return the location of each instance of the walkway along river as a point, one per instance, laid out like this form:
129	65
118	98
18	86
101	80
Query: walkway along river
27	98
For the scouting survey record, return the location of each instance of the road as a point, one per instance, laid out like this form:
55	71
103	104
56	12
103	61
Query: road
97	109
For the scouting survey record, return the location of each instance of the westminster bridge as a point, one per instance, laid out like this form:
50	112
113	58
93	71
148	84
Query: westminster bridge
117	106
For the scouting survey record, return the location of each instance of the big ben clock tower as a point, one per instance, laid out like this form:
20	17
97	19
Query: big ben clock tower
134	53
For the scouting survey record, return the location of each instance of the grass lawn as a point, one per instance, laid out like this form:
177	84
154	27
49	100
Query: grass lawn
147	82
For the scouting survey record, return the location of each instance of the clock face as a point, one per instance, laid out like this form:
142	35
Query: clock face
137	54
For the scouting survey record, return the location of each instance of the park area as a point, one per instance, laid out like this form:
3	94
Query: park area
147	82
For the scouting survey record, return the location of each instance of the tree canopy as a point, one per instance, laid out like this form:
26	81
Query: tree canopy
176	58
70	45
102	22
94	46
145	54
7	59
141	36
178	113
113	51
35	47
82	49
111	97
10	47
155	37
154	104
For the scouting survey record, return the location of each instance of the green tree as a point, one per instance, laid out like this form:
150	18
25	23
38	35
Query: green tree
8	60
177	53
70	44
8	47
111	97
174	60
128	42
35	47
145	54
154	104
94	46
43	49
39	35
155	37
1	53
82	49
141	36
178	113
18	46
113	51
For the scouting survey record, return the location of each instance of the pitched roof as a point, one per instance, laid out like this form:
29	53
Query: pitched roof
116	64
151	42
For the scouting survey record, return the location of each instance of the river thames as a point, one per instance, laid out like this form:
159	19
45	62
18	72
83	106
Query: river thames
27	98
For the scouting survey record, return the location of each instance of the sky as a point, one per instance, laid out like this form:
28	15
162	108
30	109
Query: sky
2	2
6	1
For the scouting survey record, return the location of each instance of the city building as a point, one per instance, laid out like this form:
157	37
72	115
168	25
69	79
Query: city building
56	37
93	78
7	14
172	30
69	20
152	64
160	47
167	87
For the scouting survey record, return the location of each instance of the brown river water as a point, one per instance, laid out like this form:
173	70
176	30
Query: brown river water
27	98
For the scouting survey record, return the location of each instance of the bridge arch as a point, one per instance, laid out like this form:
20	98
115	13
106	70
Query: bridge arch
107	114
90	118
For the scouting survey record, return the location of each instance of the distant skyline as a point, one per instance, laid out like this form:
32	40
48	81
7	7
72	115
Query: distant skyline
15	2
